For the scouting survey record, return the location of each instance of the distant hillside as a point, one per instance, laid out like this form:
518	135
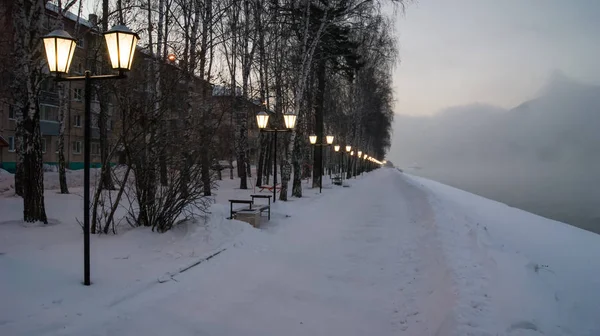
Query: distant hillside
542	156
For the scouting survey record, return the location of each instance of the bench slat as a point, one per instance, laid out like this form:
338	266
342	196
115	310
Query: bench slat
241	201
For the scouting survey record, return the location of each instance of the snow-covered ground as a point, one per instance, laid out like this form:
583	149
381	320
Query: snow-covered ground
391	255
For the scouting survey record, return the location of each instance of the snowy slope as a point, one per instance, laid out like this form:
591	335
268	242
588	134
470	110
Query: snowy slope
391	255
517	273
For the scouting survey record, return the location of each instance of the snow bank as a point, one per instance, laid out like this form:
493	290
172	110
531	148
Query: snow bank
516	273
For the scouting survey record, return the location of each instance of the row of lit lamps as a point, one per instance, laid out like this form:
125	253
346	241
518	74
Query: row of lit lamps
336	148
262	120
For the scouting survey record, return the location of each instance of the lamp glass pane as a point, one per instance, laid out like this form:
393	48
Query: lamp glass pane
329	139
359	153
113	48
336	148
312	139
134	42
348	148
125	51
262	119
59	53
290	120
121	48
352	153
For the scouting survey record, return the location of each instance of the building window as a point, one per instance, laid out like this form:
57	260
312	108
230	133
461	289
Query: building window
11	143
43	145
48	112
95	148
81	43
95	120
79	69
76	147
77	121
12	112
78	94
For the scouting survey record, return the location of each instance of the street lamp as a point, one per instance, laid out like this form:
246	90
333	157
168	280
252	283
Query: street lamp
262	120
60	48
336	148
313	141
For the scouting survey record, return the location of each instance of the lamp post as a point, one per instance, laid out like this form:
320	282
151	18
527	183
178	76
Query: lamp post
313	141
60	48
359	166
262	120
351	165
348	149
336	148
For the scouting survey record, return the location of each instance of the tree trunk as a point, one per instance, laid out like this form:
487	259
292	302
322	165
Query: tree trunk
20	169
33	189
319	111
28	15
205	161
261	164
297	182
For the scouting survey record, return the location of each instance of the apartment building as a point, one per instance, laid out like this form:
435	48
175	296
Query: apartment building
223	106
88	41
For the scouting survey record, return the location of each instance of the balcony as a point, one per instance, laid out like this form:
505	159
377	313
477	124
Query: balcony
48	97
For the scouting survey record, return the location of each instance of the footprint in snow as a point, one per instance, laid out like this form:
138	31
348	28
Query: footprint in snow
523	325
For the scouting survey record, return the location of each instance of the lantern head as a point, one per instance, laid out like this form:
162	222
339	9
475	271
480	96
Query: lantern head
262	118
60	48
290	120
121	43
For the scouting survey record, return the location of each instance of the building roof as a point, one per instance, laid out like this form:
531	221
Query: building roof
73	17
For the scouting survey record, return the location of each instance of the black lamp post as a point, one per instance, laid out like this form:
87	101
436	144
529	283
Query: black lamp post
348	166
313	141
60	47
336	149
262	119
359	166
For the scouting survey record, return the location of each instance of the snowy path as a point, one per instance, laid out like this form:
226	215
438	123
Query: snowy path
363	260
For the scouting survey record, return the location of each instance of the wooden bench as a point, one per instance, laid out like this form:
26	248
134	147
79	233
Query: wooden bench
238	201
270	188
251	206
263	206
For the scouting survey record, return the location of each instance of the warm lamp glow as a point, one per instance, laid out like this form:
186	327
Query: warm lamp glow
312	139
262	118
290	120
348	148
336	148
121	43
60	47
329	139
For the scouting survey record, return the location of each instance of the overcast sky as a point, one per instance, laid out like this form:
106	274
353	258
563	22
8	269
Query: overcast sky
501	52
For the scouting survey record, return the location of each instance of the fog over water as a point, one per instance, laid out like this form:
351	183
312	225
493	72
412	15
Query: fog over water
542	156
